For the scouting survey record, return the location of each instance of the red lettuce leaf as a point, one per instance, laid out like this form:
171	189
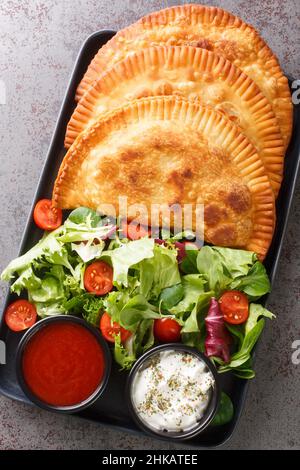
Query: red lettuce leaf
218	339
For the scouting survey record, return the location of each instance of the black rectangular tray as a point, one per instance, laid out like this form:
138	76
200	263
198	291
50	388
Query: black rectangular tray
110	409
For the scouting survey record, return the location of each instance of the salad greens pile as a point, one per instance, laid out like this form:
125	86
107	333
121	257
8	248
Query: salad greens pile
148	284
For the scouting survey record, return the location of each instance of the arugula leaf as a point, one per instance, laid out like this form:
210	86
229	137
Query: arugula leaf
243	373
244	370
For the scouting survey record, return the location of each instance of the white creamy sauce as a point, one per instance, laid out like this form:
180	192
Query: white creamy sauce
172	391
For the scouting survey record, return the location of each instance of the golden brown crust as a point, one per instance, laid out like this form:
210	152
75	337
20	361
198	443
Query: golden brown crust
168	150
192	73
211	28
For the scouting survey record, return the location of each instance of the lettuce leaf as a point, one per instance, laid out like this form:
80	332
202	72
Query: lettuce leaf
141	340
147	284
26	280
47	246
193	285
84	215
228	268
136	310
88	305
88	251
122	355
128	255
48	309
78	233
52	271
158	272
236	261
195	321
210	265
255	283
170	296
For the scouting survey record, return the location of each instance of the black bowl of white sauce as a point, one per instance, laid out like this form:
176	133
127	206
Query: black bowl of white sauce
173	391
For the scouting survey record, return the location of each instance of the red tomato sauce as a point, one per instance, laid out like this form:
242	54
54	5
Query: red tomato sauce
63	364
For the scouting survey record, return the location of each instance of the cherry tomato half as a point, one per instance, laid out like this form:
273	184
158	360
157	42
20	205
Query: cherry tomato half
234	306
20	315
134	231
46	216
167	330
98	278
110	329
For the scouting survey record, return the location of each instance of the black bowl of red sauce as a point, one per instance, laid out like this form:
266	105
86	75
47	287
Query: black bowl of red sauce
63	364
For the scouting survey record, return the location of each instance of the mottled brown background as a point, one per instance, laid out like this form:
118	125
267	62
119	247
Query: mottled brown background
39	41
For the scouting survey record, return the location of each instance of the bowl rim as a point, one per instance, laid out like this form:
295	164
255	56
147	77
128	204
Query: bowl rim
210	411
34	329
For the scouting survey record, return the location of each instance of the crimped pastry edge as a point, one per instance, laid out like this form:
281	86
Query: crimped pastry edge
202	61
208	15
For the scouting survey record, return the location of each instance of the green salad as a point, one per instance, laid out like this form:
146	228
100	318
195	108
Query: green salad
150	283
144	291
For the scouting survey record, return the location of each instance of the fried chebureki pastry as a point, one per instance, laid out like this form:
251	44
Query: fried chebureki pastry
210	28
165	151
192	73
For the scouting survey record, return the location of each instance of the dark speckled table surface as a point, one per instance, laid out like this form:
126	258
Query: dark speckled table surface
39	41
